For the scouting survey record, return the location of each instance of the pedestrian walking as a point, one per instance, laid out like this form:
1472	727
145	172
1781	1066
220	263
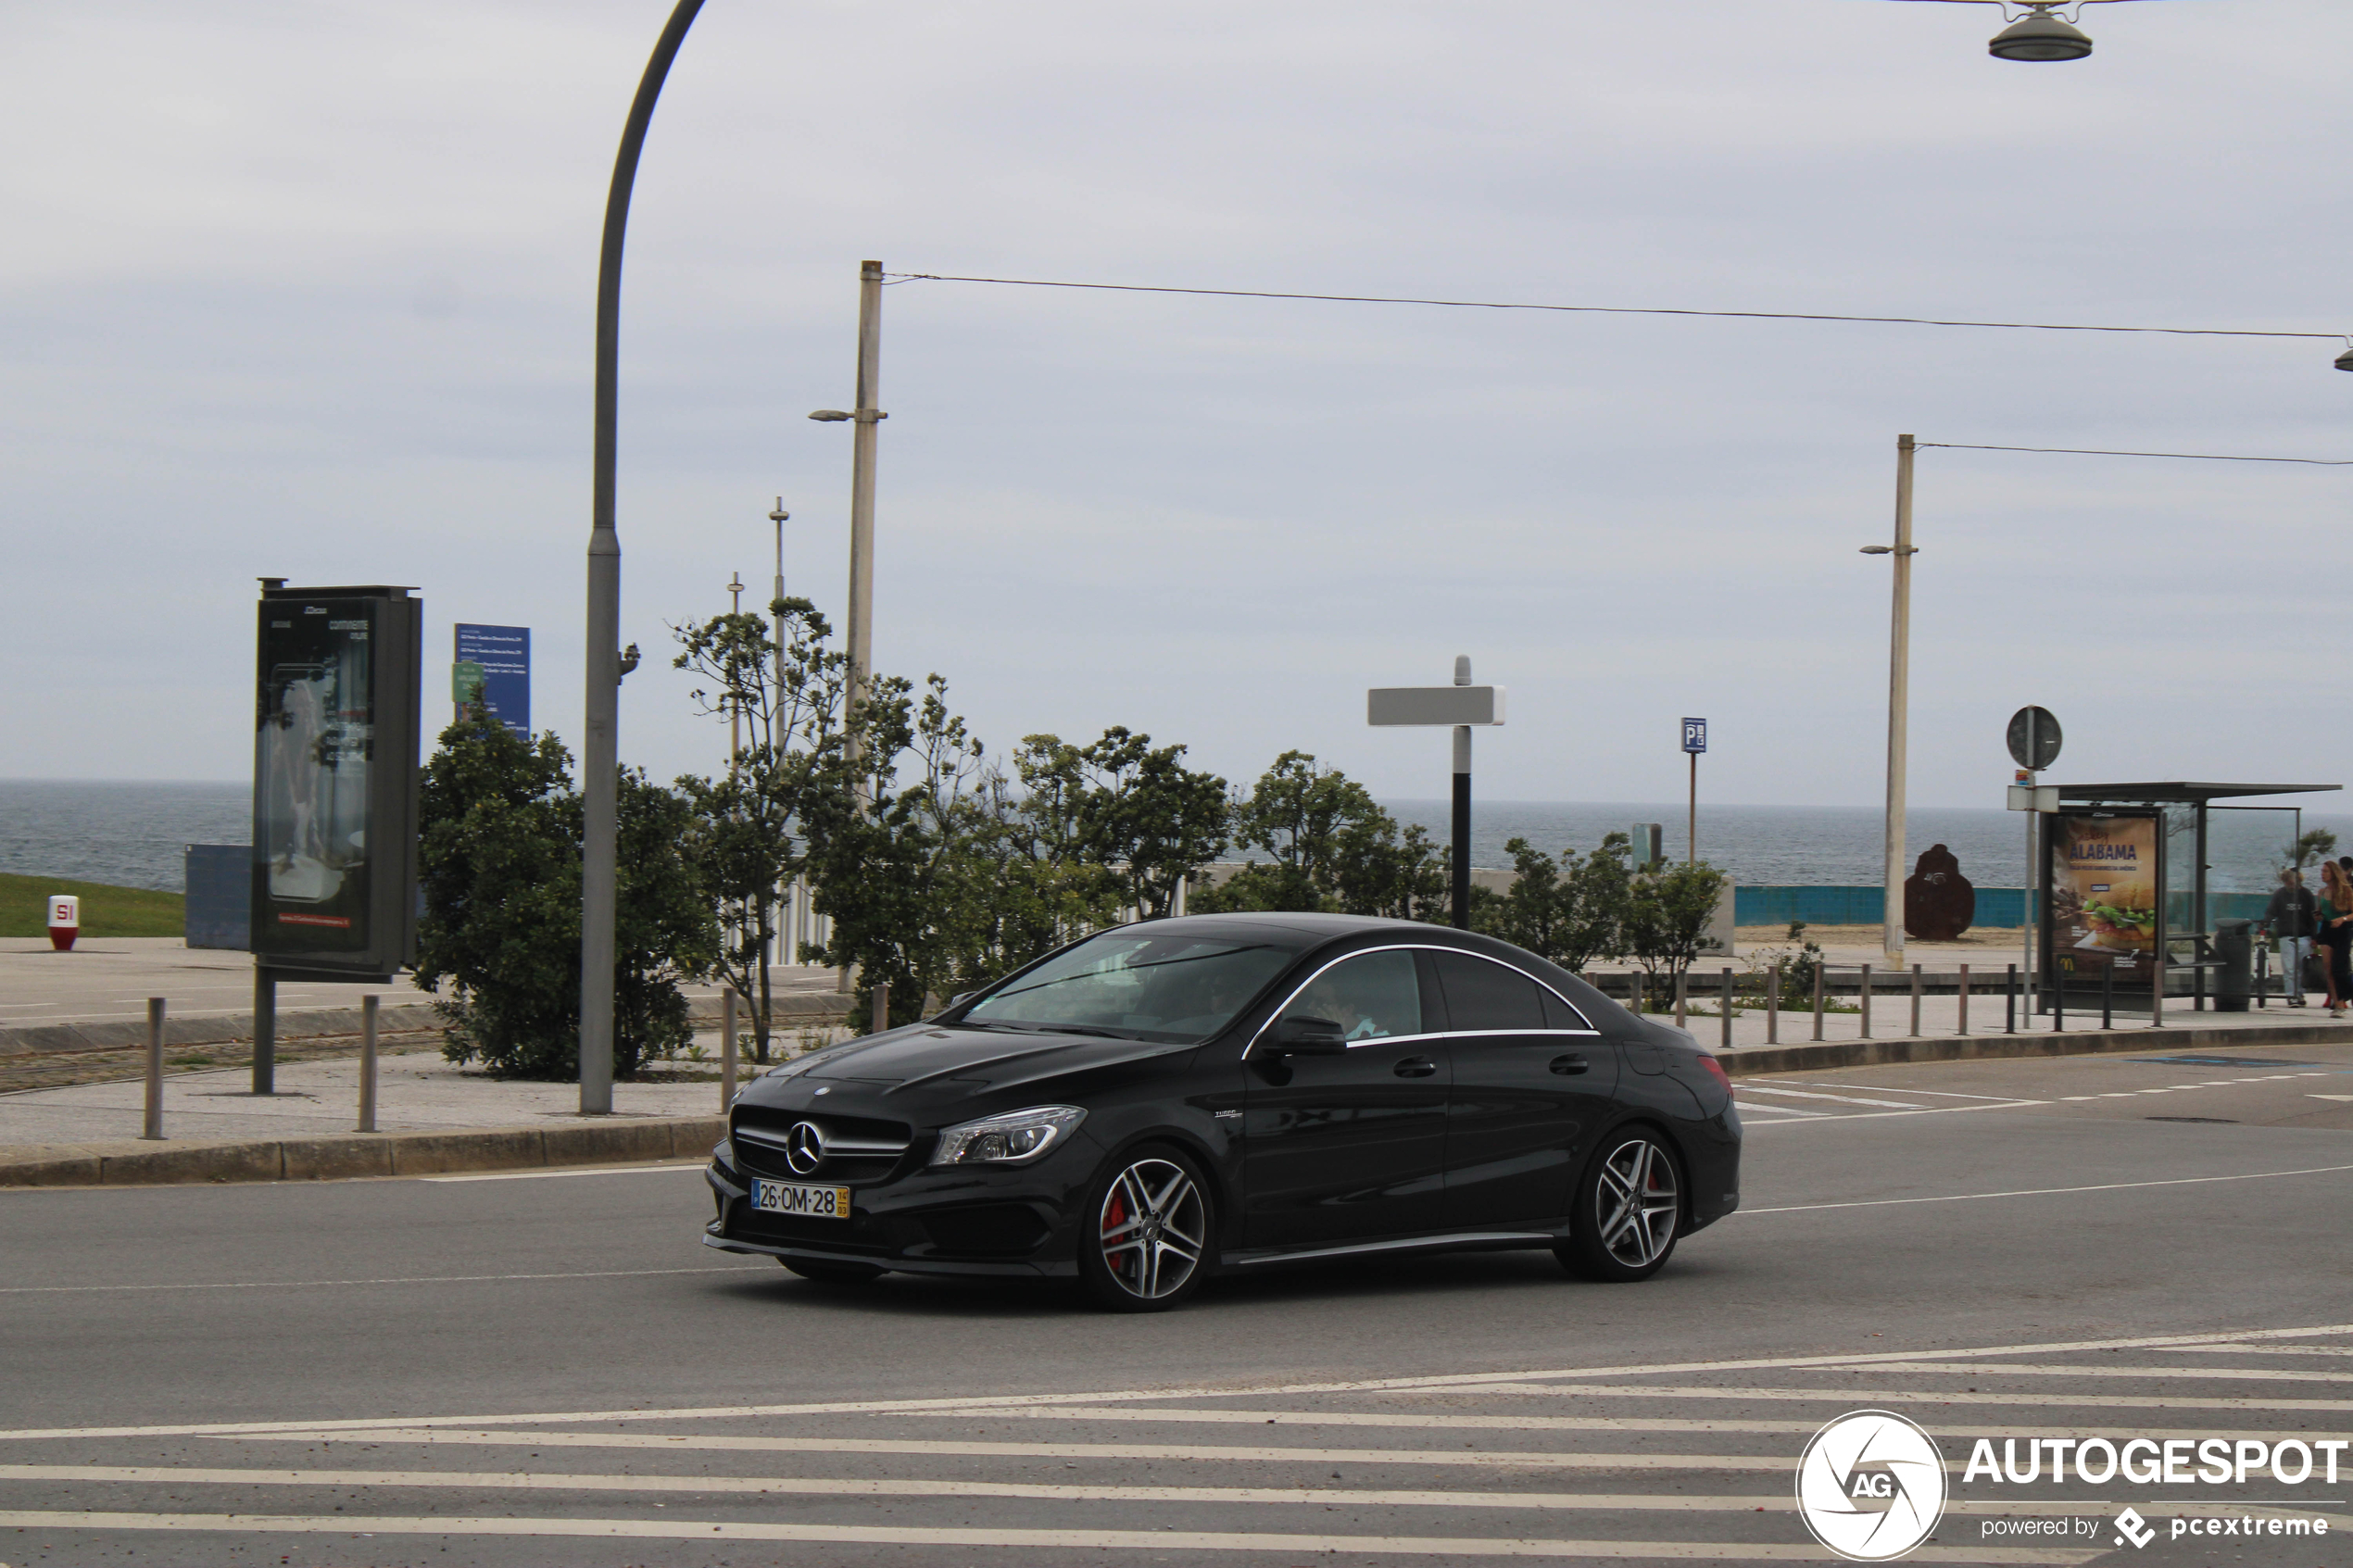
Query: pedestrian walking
2335	937
2288	921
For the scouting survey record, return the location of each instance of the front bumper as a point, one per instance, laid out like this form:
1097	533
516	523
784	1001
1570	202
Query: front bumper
1011	1221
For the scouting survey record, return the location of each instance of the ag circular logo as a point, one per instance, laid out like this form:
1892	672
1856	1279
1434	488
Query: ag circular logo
805	1146
1871	1485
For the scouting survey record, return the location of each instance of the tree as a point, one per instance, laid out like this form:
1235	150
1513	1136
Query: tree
1667	915
499	862
2316	843
746	837
1570	912
892	862
1333	849
1148	817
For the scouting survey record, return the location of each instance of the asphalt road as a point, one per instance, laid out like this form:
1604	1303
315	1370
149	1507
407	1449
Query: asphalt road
550	1369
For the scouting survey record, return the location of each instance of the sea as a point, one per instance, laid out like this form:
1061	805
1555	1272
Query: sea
134	835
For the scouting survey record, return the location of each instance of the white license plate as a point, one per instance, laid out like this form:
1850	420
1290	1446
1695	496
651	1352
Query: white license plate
787	1197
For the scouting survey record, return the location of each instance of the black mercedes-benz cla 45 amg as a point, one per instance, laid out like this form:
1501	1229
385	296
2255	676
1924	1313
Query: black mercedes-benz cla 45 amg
1210	1093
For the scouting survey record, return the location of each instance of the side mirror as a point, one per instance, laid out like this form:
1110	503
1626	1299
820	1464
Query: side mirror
1309	1036
961	997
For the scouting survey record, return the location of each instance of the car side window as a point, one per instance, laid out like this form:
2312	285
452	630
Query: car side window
1370	996
1558	1014
1484	998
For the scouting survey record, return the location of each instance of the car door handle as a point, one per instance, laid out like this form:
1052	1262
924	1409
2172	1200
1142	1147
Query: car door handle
1570	1066
1415	1067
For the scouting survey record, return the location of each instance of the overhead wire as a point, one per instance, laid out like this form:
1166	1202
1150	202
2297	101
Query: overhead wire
1596	309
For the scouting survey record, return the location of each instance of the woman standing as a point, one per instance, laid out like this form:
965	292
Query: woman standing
2333	938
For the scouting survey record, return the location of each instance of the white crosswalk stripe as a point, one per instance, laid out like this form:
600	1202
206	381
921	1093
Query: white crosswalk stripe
1688	1462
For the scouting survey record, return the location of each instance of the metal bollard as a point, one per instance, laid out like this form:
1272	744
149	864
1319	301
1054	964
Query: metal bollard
2059	1002
2156	992
878	1014
265	1031
2010	1000
1964	1028
1818	968
727	1050
1863	995
1726	1006
154	1125
2107	996
366	1122
1916	1001
1773	1005
1682	997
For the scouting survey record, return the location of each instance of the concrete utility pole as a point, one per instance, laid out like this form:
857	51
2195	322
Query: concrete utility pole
1899	684
860	634
600	742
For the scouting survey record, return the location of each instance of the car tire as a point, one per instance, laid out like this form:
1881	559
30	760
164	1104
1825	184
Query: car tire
1628	1212
827	1272
1145	1231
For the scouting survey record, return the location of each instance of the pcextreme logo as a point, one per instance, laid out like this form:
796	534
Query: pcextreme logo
1870	1486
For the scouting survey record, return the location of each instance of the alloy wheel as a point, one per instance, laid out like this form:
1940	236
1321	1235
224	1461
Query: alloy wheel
1151	1229
1636	1203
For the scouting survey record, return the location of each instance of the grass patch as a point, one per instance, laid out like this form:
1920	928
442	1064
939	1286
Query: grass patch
105	911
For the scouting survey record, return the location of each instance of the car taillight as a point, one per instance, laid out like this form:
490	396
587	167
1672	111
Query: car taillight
1715	1070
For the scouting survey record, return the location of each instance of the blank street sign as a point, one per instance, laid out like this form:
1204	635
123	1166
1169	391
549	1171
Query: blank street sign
1434	705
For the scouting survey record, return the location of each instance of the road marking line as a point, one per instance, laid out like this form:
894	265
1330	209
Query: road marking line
698	1166
2048	1192
2270	1349
2329	1097
1915	1396
1935	1111
350	1524
1539	1423
1503	1382
414	1279
1753	1107
690	1442
1843	1099
1330	1497
1889	1089
1983	1369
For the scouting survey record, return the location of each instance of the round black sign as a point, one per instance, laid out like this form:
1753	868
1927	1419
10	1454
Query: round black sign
2043	748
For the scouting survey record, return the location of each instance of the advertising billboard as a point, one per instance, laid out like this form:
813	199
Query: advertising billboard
491	673
334	786
2104	887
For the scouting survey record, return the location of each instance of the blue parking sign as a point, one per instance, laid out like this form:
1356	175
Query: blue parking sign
1694	734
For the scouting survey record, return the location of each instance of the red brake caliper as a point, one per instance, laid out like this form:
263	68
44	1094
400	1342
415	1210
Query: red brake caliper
1116	1214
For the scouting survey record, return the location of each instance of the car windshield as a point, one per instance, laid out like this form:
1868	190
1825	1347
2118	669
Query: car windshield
1168	990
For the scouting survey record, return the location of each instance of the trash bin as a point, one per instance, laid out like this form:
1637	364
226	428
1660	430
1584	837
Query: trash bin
2235	948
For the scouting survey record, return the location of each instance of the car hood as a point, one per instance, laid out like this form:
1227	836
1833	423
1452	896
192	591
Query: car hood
922	1060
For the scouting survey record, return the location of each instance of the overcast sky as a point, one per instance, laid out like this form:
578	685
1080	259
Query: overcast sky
307	289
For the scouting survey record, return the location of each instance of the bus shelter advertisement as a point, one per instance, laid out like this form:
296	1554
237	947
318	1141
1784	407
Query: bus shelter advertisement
2105	886
317	728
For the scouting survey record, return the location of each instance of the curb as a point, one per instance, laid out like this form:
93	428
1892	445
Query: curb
1810	1058
307	1023
135	1163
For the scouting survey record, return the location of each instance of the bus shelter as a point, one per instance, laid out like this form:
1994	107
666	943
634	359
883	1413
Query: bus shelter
2128	906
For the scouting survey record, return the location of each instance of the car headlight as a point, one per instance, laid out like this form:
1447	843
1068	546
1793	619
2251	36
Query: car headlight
1008	1139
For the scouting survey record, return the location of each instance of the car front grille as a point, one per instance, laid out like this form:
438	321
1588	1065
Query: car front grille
856	1148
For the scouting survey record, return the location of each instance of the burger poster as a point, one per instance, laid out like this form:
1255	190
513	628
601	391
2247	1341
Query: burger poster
2103	891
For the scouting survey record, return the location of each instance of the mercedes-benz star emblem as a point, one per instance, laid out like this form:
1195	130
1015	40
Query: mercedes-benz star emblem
804	1146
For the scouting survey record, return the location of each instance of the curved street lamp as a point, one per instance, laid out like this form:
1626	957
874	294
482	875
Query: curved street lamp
600	741
2039	33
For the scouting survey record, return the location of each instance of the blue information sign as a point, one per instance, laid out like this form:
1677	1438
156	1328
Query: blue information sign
492	674
1694	734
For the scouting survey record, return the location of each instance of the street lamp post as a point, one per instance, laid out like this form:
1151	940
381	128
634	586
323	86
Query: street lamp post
1899	681
865	413
600	742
